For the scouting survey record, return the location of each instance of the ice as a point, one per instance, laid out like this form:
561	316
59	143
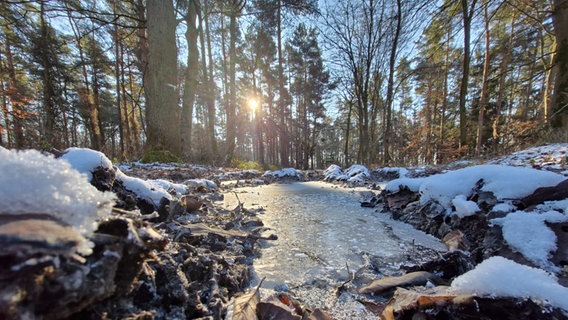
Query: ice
500	277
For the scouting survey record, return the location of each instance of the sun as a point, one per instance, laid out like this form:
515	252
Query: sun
253	103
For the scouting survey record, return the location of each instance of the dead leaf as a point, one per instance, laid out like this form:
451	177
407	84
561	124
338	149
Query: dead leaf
404	299
409	279
319	314
275	310
244	307
456	240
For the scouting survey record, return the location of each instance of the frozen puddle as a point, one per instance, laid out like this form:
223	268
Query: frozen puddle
322	228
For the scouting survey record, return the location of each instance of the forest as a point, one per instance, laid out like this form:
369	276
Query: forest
280	83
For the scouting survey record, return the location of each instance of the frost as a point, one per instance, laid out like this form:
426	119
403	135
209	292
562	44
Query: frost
501	277
31	182
527	233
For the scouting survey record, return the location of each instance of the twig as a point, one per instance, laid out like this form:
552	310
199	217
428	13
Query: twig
342	286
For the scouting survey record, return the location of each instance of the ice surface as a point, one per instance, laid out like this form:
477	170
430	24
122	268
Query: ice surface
320	229
31	182
500	277
527	233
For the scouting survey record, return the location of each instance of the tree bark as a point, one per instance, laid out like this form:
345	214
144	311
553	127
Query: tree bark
559	117
190	86
467	14
483	98
160	80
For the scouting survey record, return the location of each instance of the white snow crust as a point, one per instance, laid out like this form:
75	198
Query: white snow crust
286	172
464	207
31	182
505	182
501	277
527	233
86	160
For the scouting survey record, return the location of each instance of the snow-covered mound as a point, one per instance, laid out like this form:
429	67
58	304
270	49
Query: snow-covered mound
505	182
354	174
31	182
552	157
286	172
500	277
86	160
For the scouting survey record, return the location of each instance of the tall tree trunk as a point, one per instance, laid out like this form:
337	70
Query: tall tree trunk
117	86
231	105
282	103
160	83
192	70
48	100
390	85
483	99
347	129
559	116
467	13
209	90
18	111
502	84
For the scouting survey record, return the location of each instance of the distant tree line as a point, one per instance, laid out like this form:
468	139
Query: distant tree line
284	82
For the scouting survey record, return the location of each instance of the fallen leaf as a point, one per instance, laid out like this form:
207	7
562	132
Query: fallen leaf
275	310
244	307
319	314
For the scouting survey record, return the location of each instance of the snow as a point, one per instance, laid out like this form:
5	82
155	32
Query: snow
177	188
549	157
504	181
355	173
143	189
413	184
464	207
86	160
527	233
286	172
201	183
500	277
402	172
31	182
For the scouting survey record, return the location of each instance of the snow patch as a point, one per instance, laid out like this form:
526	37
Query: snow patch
286	172
505	183
464	207
31	182
201	183
86	160
527	233
143	189
500	277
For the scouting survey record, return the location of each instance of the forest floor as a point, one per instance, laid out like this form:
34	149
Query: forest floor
167	250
